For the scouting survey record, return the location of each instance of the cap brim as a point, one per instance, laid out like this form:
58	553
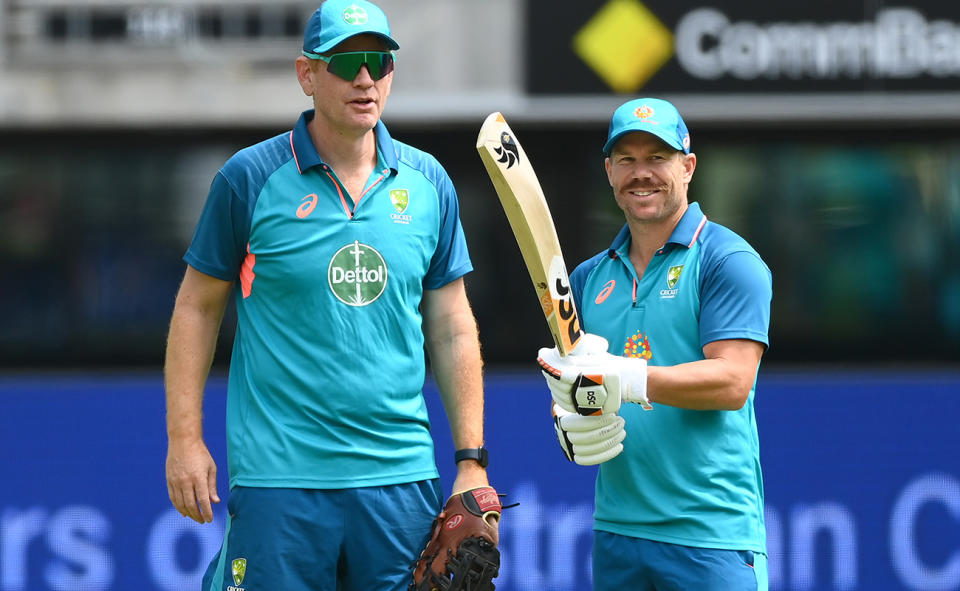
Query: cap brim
393	45
665	138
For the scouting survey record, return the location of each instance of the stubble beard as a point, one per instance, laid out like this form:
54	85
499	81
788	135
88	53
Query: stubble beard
662	212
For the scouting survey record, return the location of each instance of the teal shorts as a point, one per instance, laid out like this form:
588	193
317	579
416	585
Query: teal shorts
622	562
353	539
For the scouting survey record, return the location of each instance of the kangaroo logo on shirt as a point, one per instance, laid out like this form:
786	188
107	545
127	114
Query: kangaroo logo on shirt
400	198
673	276
357	274
239	570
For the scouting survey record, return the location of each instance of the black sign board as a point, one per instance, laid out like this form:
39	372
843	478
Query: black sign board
742	46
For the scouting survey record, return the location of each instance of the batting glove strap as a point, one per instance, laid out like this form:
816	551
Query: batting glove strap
632	377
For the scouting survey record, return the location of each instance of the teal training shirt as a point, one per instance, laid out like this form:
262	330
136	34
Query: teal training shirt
327	369
685	477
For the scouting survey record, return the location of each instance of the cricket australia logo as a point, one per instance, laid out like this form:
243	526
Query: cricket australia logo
507	152
400	198
239	569
673	276
357	274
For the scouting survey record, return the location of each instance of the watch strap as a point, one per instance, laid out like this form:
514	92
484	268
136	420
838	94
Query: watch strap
479	454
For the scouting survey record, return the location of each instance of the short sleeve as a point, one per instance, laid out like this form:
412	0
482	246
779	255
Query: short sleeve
451	259
220	239
735	299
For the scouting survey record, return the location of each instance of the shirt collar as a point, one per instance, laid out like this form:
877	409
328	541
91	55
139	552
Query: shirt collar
689	227
305	153
684	234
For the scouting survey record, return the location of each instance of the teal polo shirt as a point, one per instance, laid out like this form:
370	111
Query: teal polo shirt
687	477
327	369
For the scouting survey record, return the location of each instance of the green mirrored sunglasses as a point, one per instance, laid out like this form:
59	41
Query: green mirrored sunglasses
347	65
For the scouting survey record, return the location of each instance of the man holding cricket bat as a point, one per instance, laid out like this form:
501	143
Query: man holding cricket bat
346	253
676	313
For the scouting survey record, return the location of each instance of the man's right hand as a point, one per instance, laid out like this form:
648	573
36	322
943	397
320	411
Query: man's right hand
192	479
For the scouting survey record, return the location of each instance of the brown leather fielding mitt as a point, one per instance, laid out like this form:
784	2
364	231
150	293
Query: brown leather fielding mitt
462	552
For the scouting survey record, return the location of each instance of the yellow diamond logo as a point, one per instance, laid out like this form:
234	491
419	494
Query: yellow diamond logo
625	44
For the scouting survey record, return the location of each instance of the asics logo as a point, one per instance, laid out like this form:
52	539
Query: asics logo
309	202
605	292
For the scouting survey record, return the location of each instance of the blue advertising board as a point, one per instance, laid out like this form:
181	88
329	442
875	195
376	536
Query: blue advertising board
861	472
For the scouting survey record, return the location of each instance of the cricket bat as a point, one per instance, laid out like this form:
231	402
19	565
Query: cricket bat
526	208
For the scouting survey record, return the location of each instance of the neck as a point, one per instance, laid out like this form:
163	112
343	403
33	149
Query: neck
646	237
343	148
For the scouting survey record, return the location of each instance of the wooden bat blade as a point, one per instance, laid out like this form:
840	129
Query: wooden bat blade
526	207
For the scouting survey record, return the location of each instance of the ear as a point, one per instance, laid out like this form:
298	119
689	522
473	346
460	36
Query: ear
305	74
689	165
609	167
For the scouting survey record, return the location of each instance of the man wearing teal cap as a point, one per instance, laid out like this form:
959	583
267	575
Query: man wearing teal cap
677	313
346	254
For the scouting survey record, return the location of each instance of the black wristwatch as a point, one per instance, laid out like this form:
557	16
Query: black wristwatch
474	453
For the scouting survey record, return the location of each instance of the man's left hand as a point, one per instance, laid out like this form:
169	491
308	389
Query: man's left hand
591	381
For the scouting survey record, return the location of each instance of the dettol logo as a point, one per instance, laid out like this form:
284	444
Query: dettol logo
357	274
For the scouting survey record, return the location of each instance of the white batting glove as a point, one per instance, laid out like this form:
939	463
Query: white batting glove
589	440
591	381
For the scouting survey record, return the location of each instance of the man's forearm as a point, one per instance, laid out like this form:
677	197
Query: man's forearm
190	347
188	360
720	382
698	385
458	371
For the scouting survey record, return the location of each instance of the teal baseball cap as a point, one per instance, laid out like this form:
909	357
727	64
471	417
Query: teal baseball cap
337	20
651	115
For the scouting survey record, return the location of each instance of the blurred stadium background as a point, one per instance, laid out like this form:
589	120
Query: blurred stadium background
828	135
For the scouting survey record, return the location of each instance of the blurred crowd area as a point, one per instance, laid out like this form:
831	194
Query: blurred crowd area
862	235
839	161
